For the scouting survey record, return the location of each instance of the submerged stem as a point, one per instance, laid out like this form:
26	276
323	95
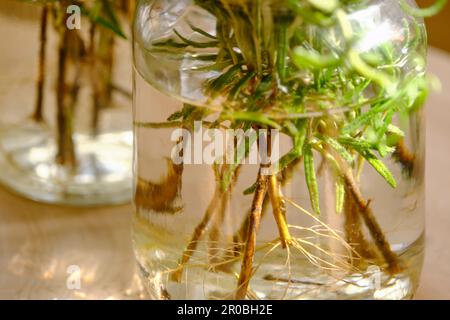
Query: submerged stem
66	149
241	233
163	196
279	210
102	56
353	228
253	226
404	157
372	224
38	112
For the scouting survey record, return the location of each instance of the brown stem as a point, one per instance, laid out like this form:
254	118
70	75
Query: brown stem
253	226
240	234
278	203
163	197
404	157
353	228
374	228
130	8
279	210
102	59
38	112
70	58
65	153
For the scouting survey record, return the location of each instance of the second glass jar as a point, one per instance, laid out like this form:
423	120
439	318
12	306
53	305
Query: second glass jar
65	133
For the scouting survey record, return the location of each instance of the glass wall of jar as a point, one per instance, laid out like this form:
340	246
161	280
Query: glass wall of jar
279	149
65	133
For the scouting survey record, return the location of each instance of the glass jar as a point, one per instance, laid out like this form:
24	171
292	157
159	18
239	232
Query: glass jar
279	149
65	132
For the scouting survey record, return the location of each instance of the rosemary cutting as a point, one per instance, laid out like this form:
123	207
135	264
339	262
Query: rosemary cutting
299	66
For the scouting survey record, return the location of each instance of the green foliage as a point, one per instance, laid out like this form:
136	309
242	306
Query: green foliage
295	65
364	149
426	12
340	194
311	180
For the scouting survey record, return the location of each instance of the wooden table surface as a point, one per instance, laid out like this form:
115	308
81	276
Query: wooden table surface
435	282
41	246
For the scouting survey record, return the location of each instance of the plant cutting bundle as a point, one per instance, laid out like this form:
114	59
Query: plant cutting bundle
77	96
343	83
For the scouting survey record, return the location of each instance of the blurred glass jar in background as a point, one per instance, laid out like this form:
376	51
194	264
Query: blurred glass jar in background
65	101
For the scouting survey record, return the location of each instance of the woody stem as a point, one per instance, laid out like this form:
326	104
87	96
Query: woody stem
38	112
250	243
372	224
279	210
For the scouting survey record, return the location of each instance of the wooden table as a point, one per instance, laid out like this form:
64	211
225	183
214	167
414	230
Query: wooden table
41	246
435	282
